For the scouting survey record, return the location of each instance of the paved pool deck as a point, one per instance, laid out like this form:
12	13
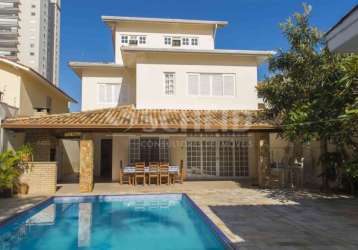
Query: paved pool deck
253	218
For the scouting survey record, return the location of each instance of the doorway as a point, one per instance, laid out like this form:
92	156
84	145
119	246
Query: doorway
106	159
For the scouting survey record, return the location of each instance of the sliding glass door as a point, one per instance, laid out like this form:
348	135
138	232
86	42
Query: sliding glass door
218	157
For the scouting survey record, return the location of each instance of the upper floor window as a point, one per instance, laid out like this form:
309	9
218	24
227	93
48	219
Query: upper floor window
203	84
133	40
169	83
108	93
167	40
181	41
185	41
142	40
176	42
194	41
124	39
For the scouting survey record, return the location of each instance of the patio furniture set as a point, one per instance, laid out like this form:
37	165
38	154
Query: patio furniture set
153	173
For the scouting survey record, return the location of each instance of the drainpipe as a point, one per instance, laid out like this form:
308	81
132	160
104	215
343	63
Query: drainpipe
214	33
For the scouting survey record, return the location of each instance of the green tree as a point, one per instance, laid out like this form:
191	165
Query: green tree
310	88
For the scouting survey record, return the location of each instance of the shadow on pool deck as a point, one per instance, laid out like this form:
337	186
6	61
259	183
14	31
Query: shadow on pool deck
311	222
11	206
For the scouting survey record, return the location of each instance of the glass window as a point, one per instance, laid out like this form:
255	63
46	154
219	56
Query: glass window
194	157
167	40
124	39
226	158
241	158
133	40
176	43
108	93
163	150
193	84
229	85
209	158
217	85
169	83
194	41
185	41
134	150
142	40
205	84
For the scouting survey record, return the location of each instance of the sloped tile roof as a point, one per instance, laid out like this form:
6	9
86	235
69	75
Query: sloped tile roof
127	117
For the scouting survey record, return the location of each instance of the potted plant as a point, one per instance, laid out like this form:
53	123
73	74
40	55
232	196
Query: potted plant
25	153
8	173
23	188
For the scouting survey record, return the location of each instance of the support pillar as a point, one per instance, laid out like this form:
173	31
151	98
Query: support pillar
264	161
86	163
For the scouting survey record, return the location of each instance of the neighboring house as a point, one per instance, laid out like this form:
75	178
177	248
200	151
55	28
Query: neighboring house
30	34
169	96
343	37
23	93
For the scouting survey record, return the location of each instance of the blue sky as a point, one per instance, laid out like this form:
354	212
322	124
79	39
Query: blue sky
253	24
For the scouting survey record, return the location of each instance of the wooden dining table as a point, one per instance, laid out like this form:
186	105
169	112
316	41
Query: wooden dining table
131	170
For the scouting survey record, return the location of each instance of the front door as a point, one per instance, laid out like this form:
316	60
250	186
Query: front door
106	159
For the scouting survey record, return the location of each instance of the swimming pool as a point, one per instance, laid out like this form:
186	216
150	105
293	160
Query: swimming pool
170	221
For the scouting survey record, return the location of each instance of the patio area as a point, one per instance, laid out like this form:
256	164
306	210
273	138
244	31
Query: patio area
256	218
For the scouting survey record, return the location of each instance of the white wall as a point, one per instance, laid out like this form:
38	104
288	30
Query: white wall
155	33
150	83
92	78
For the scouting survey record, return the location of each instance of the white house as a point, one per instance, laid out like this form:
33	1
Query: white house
169	95
343	36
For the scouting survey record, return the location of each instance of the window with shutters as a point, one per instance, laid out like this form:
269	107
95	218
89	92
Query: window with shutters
205	84
108	93
193	84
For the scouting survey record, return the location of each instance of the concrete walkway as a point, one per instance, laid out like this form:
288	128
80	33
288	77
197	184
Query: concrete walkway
261	219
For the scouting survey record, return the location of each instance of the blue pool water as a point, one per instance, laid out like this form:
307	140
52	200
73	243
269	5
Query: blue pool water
112	222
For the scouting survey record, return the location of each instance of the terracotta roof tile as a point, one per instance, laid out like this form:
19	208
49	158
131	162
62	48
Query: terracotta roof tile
127	117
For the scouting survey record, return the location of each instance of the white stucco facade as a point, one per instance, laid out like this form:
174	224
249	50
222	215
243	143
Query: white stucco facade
147	49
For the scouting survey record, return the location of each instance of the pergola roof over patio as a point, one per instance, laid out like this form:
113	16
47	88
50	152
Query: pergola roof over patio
128	118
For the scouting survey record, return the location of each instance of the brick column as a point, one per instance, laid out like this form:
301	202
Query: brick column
86	163
264	161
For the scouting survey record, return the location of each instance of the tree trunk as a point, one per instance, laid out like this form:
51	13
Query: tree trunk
324	150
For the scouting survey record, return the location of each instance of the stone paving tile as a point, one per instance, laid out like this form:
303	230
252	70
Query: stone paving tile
261	219
11	206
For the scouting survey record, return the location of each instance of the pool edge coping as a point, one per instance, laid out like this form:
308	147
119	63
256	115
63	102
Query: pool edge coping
8	219
219	233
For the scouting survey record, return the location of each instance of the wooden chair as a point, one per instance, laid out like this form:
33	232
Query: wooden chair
153	172
124	177
164	172
139	172
179	177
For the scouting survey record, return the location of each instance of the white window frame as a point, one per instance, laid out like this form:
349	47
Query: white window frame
142	40
243	161
126	38
185	41
177	39
107	103
165	83
211	84
197	41
167	41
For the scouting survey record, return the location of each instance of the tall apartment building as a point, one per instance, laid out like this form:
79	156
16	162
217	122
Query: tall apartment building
30	34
